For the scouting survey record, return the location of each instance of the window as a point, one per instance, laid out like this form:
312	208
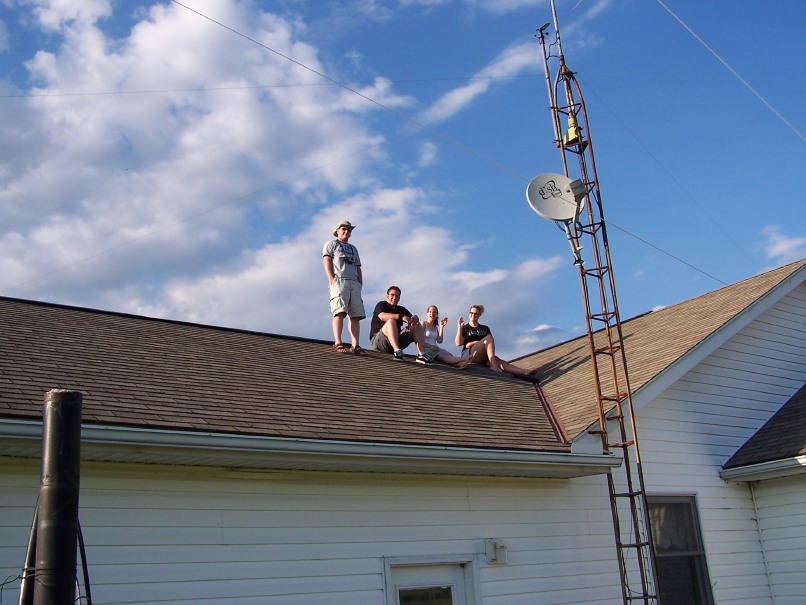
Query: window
433	595
430	581
682	572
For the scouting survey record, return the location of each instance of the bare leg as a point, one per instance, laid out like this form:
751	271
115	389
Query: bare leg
478	353
417	336
355	331
390	330
338	325
453	360
489	344
515	370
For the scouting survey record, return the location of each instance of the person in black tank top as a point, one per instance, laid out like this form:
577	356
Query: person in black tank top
478	345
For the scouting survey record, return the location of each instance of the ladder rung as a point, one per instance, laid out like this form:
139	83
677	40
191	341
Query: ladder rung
627	495
634	545
622	444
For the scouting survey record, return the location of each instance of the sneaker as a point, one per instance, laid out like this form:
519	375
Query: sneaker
423	359
398	355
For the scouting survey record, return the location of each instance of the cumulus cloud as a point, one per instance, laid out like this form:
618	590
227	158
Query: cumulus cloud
54	14
161	176
182	172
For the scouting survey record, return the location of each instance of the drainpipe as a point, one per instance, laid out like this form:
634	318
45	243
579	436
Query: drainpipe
761	541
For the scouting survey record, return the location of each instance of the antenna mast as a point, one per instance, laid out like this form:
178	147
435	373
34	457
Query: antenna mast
636	557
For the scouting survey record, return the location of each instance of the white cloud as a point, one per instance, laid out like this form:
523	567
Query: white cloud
55	14
378	95
210	201
151	185
510	62
539	338
782	248
428	154
282	288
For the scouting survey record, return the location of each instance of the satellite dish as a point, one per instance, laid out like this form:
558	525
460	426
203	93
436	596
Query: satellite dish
556	197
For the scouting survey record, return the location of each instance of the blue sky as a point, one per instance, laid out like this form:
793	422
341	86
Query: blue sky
189	162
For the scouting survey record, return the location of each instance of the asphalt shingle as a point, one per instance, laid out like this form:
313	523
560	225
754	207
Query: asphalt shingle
652	342
783	436
136	371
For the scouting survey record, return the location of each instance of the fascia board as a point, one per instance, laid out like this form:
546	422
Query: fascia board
125	444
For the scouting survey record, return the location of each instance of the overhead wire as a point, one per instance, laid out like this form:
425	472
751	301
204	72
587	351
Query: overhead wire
100	93
428	129
747	85
668	172
351	89
399	114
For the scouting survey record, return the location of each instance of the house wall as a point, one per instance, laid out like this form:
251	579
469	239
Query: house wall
159	534
781	506
691	430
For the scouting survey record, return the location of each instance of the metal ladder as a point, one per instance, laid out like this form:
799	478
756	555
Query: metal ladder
636	557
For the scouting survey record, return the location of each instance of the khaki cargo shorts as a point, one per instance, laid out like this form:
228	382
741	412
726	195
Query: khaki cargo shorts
345	297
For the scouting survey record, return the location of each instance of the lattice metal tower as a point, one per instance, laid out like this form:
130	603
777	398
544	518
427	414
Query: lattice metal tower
636	557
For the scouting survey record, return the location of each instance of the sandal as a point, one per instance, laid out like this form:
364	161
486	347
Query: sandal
341	348
358	350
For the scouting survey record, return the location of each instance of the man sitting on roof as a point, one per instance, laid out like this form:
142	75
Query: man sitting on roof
394	328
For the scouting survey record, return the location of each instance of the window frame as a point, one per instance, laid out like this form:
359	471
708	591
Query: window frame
698	556
469	565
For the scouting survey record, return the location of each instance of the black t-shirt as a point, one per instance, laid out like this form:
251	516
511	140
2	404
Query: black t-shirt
385	307
471	334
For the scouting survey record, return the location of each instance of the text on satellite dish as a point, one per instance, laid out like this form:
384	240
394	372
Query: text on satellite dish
550	190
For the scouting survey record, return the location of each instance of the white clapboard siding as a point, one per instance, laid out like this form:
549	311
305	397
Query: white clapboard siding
160	534
691	430
781	507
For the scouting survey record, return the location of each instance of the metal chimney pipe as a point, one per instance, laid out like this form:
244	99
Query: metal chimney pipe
57	519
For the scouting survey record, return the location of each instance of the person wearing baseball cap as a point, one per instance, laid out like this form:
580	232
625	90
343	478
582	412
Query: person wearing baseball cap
343	270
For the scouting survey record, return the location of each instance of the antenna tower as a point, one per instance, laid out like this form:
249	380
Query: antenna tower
636	557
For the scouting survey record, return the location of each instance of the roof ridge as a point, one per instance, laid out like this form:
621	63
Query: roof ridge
787	271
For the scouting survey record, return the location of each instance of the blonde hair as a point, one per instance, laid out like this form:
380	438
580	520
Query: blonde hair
479	307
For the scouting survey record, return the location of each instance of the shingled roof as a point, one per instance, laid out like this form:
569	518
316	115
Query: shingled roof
157	374
782	437
652	342
200	380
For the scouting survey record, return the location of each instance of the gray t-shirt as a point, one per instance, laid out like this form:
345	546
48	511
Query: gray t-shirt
345	259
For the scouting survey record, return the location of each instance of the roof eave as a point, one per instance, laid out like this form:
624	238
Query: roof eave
19	438
773	469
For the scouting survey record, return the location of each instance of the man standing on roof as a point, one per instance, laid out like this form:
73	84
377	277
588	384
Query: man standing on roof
343	269
393	328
